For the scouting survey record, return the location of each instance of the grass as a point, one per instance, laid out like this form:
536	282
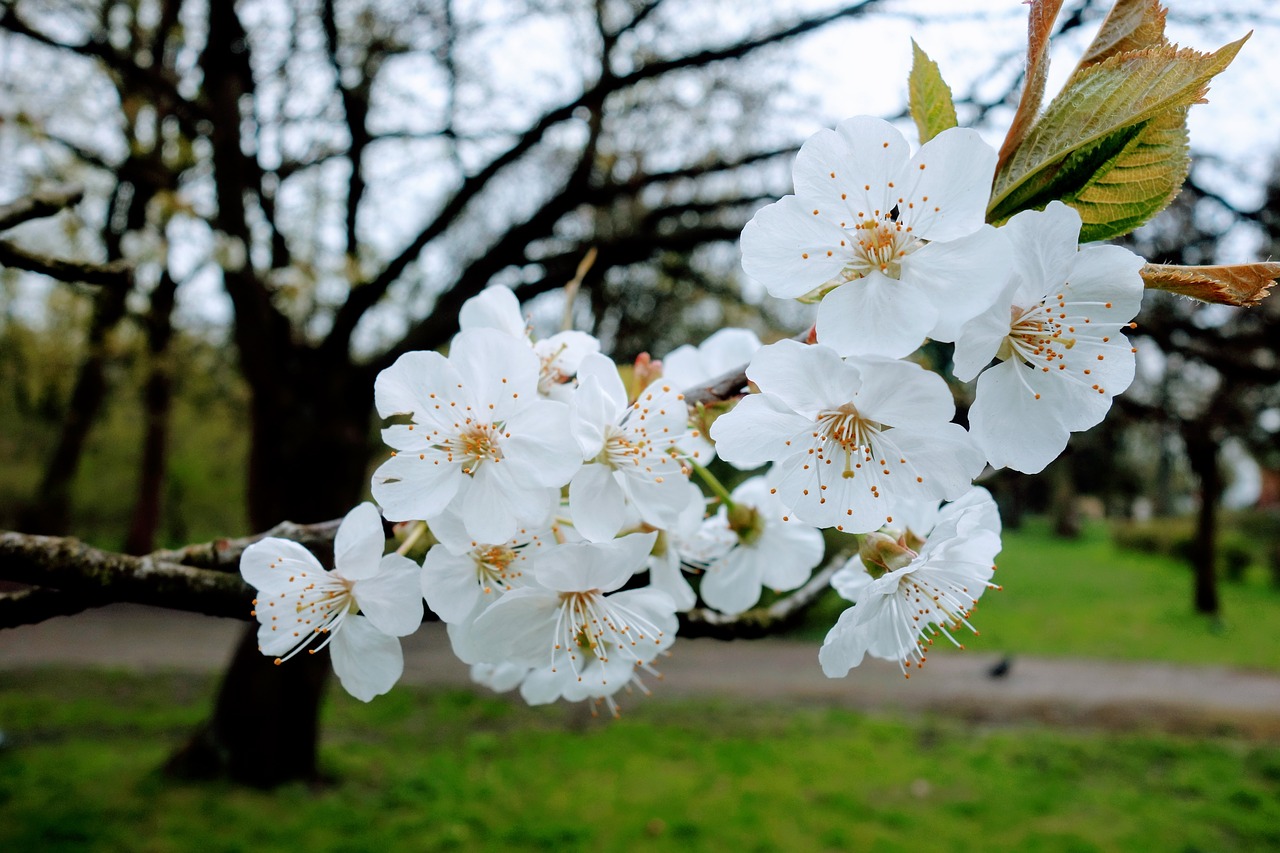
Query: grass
1089	598
452	771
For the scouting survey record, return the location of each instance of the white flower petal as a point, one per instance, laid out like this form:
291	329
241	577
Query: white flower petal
359	543
901	392
877	157
407	385
516	628
949	185
597	502
806	378
755	431
583	566
732	584
392	599
269	564
494	308
500	372
963	277
449	584
791	251
1013	428
367	662
876	315
408	487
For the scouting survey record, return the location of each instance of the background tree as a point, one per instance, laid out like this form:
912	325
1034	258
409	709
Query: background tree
350	173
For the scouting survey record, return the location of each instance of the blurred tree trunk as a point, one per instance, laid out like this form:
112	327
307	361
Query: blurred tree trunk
1202	454
157	400
1062	500
49	511
308	462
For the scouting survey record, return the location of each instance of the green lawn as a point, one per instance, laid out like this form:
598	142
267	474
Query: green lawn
1089	598
456	772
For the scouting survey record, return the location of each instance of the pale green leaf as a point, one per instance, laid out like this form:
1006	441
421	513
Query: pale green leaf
1123	91
929	96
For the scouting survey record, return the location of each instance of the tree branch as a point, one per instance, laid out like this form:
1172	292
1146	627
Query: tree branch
29	606
76	568
224	554
38	205
365	296
116	274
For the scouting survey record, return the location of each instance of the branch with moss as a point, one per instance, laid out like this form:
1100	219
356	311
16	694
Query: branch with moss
72	567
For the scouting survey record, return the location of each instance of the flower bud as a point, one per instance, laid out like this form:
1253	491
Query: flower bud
882	553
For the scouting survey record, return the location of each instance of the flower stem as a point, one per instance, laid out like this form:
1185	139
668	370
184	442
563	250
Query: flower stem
717	488
419	529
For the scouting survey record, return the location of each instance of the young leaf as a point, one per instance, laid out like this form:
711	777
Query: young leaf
1138	183
1130	25
1123	91
1039	25
930	96
1237	284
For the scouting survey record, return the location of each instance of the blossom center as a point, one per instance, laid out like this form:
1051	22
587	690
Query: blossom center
493	567
475	444
619	449
1037	336
590	626
318	609
850	432
880	245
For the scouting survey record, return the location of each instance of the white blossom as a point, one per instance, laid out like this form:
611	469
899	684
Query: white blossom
580	636
358	609
896	615
482	441
687	367
758	549
558	356
1056	331
848	438
629	451
895	245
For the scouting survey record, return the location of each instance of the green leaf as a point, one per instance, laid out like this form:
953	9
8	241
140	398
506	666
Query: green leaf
930	96
1138	183
1094	117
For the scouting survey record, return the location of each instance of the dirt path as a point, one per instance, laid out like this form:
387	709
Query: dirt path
1123	695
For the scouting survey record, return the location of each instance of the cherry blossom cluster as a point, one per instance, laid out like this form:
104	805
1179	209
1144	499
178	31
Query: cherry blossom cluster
570	523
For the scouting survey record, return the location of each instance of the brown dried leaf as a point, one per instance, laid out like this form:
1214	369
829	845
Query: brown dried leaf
1235	284
1039	26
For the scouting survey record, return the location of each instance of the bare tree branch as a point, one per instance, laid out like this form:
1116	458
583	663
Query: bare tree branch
116	274
224	554
367	295
36	604
38	205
